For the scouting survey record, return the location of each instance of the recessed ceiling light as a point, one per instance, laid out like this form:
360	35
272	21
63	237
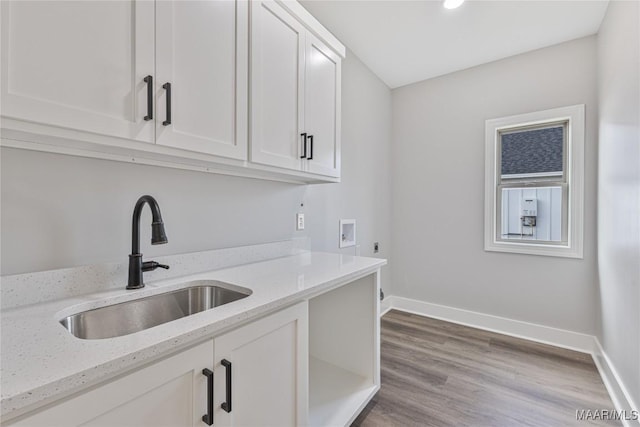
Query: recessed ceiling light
452	4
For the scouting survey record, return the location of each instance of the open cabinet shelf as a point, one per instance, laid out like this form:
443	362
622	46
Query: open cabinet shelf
335	394
344	355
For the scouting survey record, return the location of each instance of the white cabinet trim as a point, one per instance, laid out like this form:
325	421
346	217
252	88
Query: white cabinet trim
296	9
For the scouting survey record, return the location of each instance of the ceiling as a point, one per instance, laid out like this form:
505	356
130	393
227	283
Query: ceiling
405	41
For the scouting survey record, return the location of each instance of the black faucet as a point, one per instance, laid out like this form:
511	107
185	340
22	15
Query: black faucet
158	237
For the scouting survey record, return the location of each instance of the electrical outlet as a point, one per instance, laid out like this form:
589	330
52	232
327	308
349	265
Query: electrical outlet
376	247
300	221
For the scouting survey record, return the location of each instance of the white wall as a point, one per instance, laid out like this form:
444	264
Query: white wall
365	191
619	190
60	211
438	194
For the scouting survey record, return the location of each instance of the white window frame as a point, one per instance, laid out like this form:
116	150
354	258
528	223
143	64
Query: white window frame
575	116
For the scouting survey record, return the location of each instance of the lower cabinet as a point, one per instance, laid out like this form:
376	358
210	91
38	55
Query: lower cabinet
172	392
261	372
258	375
316	363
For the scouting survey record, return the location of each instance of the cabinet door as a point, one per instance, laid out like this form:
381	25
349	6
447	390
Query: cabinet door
277	79
172	392
322	107
79	65
268	364
202	52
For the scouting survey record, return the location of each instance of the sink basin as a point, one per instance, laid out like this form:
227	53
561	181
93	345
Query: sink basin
136	315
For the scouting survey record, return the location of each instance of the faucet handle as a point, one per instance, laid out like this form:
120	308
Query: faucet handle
152	265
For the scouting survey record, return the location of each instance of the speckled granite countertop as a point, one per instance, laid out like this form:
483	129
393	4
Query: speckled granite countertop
41	361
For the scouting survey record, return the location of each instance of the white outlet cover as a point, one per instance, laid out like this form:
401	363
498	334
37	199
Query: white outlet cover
300	221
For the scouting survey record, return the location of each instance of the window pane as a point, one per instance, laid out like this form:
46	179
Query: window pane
532	213
532	151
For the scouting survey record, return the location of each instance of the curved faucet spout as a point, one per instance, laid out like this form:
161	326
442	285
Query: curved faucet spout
158	237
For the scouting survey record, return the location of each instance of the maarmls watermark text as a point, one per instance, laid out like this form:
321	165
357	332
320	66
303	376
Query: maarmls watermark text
606	414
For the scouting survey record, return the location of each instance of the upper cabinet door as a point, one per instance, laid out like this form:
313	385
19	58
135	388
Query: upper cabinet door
322	107
202	76
79	65
277	79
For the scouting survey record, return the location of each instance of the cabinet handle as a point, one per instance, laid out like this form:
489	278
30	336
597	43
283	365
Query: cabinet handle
227	365
167	87
310	147
149	81
304	145
208	417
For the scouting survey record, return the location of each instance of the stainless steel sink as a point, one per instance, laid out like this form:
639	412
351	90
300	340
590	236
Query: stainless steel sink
136	315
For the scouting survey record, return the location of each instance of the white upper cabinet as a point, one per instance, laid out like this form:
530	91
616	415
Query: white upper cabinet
277	69
202	76
78	65
322	108
295	94
242	87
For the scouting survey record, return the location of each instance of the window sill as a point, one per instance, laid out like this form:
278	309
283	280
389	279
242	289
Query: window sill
534	249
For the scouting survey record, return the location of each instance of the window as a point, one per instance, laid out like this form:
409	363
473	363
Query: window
534	183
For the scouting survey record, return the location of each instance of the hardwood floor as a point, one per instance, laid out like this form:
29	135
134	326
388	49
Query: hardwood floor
436	373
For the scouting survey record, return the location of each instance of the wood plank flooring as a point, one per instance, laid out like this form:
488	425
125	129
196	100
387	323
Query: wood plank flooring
436	373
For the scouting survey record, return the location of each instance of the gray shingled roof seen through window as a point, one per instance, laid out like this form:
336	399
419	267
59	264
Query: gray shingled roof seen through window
532	151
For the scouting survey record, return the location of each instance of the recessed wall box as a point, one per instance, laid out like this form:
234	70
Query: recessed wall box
347	231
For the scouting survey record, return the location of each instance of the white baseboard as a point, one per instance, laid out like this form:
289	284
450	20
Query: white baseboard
385	305
530	331
615	386
516	328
